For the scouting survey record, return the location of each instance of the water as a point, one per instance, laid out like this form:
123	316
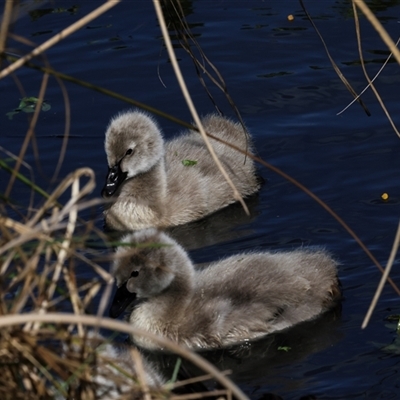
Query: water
283	84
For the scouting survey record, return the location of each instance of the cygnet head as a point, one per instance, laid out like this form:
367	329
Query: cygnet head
133	145
145	267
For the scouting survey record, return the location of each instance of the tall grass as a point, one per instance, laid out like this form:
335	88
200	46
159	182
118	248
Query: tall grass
44	345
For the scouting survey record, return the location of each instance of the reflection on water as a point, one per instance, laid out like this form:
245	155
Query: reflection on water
41	12
346	10
261	362
218	227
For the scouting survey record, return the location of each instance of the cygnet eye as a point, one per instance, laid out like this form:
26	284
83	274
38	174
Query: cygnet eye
128	152
134	274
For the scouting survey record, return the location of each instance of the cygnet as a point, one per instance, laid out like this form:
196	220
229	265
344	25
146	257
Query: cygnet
157	183
239	298
116	371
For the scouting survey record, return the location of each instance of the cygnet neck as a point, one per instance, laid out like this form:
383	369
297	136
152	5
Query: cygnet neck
150	187
172	303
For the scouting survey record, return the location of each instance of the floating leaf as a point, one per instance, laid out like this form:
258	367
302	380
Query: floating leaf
396	319
46	106
189	163
284	348
11	114
394	347
28	104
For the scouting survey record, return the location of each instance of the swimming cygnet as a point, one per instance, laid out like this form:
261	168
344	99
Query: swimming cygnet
153	183
242	297
118	372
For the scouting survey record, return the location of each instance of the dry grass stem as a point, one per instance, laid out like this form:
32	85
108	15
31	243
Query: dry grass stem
379	28
318	201
28	234
66	103
29	135
67	127
120	326
62	254
31	175
105	299
202	395
190	104
201	378
384	278
51	201
334	65
369	84
140	373
8	6
36	275
60	36
257	159
366	73
186	38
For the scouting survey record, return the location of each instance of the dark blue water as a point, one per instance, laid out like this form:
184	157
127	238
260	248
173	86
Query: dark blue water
282	82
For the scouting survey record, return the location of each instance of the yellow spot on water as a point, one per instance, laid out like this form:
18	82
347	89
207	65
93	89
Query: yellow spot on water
290	17
385	196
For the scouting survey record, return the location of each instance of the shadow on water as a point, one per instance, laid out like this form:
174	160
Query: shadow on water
215	228
218	227
257	366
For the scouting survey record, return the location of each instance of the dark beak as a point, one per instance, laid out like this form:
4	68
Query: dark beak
122	298
114	178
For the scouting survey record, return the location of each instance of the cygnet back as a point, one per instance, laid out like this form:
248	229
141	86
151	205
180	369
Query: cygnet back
152	183
242	297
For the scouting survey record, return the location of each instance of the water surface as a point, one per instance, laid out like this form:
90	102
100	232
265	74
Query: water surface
282	82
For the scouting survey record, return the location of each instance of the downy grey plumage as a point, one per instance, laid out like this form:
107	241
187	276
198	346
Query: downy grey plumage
152	183
118	371
242	297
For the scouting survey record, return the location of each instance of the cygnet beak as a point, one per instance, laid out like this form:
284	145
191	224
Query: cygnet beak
122	298
114	178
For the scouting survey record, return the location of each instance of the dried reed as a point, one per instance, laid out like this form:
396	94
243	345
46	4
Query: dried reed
46	353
